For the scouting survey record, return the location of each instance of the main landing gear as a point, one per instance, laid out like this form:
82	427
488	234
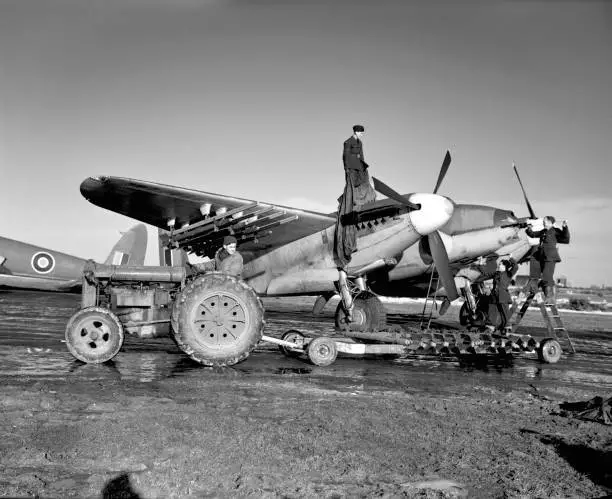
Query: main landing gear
359	309
368	314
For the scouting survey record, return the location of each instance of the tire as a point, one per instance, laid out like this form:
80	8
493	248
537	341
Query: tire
217	320
322	351
294	336
549	351
94	335
369	314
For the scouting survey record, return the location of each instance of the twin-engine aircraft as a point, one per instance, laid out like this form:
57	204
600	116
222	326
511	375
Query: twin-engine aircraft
290	252
26	266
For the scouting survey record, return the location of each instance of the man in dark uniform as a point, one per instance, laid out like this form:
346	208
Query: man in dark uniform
500	296
356	169
547	254
357	191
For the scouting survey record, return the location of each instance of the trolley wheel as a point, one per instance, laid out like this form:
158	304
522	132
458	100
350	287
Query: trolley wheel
294	336
369	314
322	351
217	319
549	351
94	335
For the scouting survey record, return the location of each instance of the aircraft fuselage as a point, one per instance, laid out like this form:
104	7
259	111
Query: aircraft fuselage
32	267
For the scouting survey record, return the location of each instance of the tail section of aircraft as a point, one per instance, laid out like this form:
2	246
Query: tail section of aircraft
27	266
131	249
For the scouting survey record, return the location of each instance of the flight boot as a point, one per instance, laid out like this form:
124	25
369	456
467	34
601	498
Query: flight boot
549	295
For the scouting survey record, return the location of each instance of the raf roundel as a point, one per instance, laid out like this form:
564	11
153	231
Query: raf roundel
43	262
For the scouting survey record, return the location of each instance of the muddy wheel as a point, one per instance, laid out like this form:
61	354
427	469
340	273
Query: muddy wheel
549	351
368	314
94	335
217	319
294	336
322	351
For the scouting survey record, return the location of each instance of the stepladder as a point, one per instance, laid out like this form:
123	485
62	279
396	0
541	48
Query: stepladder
550	314
553	322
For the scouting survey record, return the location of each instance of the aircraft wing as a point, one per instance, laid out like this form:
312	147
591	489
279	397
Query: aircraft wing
199	220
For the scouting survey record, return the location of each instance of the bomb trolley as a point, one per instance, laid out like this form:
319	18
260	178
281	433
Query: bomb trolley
214	318
403	341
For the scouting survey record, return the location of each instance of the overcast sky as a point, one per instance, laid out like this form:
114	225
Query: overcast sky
254	99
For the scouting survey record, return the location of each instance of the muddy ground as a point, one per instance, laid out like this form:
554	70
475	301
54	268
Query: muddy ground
152	424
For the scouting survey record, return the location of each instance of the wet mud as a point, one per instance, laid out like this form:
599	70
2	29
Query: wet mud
156	424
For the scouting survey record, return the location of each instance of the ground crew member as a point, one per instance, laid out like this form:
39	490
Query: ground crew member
227	259
547	254
356	169
357	191
500	298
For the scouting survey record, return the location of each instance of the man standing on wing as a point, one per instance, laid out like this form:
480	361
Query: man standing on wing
357	191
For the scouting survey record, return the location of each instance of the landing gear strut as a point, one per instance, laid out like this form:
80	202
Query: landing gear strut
473	312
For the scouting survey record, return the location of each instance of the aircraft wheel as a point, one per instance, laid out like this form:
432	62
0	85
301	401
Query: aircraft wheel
549	351
94	335
369	314
296	337
217	319
322	351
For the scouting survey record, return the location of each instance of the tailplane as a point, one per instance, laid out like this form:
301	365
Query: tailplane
131	249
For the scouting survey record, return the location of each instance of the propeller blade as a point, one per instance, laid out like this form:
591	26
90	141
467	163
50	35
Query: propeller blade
443	170
390	193
440	258
531	212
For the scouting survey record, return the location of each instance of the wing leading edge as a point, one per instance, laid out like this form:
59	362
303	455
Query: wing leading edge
198	220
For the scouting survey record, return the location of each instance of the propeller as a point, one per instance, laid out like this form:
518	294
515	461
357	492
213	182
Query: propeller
522	223
391	194
531	212
534	265
440	259
436	246
443	170
383	188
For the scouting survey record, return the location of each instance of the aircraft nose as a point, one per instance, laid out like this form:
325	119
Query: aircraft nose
434	213
90	185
